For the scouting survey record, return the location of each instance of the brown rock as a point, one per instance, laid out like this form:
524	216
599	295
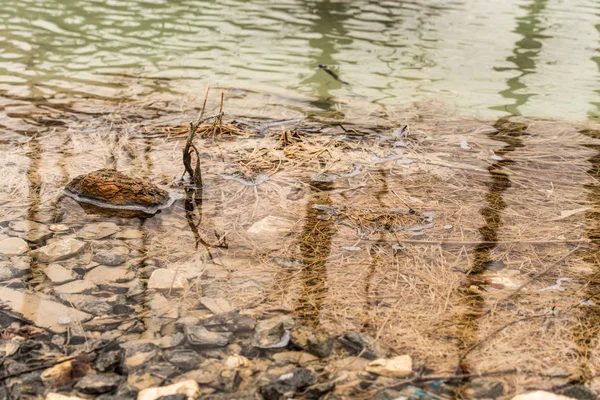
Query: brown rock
112	188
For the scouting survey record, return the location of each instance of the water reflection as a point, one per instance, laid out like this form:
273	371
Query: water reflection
524	56
315	247
512	134
331	33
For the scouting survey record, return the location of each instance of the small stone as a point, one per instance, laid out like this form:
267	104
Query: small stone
190	388
315	342
60	228
540	395
59	250
185	359
64	320
230	322
484	388
200	336
96	307
59	274
98	384
30	230
109	360
170	341
236	361
140	354
355	342
41	310
216	305
294	357
5	273
161	307
103	275
316	392
395	367
229	380
13	247
270	334
78	286
112	257
579	392
130	233
293	381
164	279
98	230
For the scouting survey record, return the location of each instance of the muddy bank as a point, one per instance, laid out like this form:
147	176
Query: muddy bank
350	253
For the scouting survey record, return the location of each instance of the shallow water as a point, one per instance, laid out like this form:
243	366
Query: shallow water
468	244
533	58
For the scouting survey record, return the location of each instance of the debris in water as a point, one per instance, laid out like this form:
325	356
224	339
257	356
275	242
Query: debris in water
351	248
248	182
557	286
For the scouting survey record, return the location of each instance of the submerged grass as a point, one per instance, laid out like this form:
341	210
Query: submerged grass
446	245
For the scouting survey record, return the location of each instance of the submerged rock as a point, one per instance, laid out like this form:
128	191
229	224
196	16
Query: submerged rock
58	250
13	247
111	189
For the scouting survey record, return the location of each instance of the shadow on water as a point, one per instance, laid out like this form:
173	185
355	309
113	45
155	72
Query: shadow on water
315	247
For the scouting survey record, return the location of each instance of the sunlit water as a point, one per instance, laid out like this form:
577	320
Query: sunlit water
533	58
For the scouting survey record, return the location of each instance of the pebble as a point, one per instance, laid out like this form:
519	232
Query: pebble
200	336
103	275
59	250
294	357
171	341
295	380
271	334
216	305
395	367
113	257
41	310
30	230
96	307
78	286
164	279
98	230
6	273
189	387
230	322
13	247
162	308
315	342
355	342
59	228
59	274
130	233
98	384
540	395
184	359
484	388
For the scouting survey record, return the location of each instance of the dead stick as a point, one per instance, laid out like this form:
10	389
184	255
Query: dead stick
454	377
